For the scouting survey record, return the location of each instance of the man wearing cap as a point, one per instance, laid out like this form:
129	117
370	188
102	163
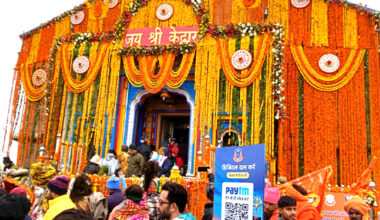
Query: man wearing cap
8	164
135	162
271	197
59	200
116	195
356	209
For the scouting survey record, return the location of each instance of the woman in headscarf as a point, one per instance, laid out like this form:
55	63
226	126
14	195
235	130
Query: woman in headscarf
167	164
133	207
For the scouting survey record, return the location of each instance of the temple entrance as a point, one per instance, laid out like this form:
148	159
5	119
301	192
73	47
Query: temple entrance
163	116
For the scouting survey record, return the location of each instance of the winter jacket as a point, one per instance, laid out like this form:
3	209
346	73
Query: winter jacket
145	150
123	160
208	212
73	214
58	205
135	165
98	206
114	199
92	168
111	163
164	170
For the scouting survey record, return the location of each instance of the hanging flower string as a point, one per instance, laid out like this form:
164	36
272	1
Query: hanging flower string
362	9
276	31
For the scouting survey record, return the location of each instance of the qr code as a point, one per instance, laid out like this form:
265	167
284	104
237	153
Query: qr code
235	211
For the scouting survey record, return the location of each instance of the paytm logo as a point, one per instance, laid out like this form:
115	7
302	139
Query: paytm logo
241	191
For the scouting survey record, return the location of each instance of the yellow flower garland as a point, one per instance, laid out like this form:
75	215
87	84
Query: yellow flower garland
146	16
327	83
113	93
101	105
96	58
177	78
279	13
246	78
319	23
95	24
174	80
350	25
31	92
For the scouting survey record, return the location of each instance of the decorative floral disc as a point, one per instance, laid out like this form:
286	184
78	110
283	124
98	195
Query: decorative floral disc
81	64
241	59
112	4
300	3
77	18
39	77
329	63
164	12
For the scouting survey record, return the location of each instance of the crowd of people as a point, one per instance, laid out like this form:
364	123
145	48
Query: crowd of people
295	205
131	160
74	198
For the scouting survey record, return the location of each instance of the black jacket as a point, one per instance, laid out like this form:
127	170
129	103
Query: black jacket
208	212
92	168
145	150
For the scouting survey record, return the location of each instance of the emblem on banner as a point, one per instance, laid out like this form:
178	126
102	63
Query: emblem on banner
238	155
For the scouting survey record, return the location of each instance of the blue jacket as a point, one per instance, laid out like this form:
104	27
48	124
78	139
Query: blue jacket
114	199
166	167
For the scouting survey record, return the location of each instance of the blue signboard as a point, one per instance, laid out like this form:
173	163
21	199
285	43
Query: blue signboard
239	182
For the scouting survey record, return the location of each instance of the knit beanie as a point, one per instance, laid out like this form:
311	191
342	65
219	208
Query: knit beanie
20	191
271	195
133	147
59	185
113	183
210	191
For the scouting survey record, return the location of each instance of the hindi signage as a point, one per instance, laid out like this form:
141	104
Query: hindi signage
239	182
333	206
160	36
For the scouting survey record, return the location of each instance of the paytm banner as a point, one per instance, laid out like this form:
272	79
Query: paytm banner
239	182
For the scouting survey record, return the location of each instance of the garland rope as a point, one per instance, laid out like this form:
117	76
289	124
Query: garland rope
74	85
245	79
325	83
